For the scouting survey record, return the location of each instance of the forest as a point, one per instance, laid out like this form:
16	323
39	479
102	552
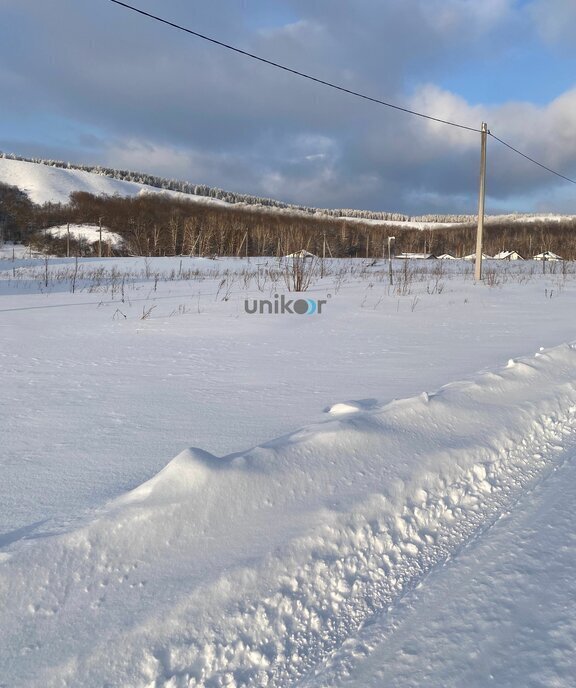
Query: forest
158	224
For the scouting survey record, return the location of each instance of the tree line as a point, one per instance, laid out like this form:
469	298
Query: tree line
205	191
162	225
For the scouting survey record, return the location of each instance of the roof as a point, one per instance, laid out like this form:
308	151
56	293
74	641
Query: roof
547	255
508	255
418	256
301	254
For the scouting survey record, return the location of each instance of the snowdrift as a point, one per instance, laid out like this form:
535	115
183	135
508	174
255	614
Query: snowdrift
251	569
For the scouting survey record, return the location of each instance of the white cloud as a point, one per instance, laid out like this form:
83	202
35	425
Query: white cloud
144	155
431	100
171	105
546	133
555	20
452	16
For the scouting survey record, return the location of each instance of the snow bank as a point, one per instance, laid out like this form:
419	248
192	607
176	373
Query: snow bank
251	569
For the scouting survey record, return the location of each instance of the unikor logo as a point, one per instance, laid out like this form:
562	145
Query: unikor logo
280	305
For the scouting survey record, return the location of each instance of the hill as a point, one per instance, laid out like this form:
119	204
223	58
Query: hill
156	216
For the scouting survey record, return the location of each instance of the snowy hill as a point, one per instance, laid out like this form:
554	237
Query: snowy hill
53	182
46	184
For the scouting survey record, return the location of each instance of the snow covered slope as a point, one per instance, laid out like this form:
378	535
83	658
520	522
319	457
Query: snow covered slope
255	568
45	184
87	232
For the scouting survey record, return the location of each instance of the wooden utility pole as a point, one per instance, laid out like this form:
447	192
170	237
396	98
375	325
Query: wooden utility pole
481	202
100	239
390	278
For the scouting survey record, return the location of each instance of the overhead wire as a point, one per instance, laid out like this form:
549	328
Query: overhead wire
304	75
519	152
334	86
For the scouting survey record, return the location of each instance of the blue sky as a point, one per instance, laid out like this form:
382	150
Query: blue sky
87	81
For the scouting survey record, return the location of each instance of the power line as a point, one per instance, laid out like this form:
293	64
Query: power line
549	169
343	89
293	71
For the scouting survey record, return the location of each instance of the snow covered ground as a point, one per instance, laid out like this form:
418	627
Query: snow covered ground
409	526
45	184
86	232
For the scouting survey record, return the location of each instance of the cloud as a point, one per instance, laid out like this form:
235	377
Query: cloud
132	93
132	154
555	21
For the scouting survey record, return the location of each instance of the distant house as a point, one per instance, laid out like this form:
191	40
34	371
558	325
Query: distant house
472	256
508	255
417	256
301	254
446	256
547	255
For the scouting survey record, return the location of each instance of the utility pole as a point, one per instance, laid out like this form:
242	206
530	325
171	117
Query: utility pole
68	241
481	202
390	240
100	239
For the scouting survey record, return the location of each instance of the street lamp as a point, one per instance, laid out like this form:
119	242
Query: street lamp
390	240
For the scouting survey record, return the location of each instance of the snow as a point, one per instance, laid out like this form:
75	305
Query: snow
472	257
85	232
489	219
517	627
547	255
403	224
301	254
508	255
398	530
46	184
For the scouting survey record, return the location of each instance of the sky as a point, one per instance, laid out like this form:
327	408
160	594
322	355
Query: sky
90	82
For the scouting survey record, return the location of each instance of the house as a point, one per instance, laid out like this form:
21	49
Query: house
548	255
416	256
472	256
508	255
301	254
446	256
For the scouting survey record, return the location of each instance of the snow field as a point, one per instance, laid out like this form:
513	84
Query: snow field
354	512
264	567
